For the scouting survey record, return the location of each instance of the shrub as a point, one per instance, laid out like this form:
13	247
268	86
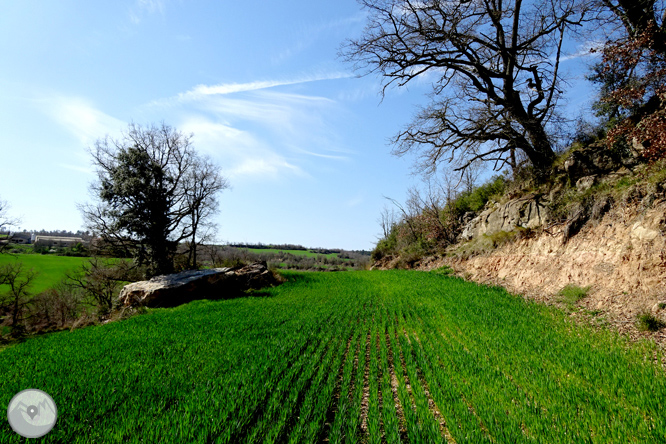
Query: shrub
101	281
56	307
385	247
504	237
444	271
571	294
649	322
230	262
476	199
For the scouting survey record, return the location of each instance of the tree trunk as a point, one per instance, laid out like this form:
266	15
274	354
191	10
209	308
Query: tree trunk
535	143
541	155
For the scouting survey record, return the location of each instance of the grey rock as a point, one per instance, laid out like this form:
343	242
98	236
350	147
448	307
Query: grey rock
593	159
179	288
526	212
648	200
578	217
601	207
586	182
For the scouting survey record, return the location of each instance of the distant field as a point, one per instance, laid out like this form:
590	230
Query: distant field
51	269
358	357
294	252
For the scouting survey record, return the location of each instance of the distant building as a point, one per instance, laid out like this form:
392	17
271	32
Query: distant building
22	237
57	241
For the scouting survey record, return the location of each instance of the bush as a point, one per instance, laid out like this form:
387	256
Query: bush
56	307
101	280
444	271
571	294
477	198
385	247
649	322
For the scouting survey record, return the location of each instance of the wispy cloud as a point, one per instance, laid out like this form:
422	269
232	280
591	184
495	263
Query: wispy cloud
310	34
355	201
240	152
257	128
81	118
78	168
200	91
587	49
143	7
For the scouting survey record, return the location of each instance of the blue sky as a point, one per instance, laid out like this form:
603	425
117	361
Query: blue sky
302	140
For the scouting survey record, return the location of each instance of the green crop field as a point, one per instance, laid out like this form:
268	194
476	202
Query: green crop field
358	357
307	253
51	269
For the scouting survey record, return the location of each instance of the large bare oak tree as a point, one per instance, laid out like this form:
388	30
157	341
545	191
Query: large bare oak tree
495	71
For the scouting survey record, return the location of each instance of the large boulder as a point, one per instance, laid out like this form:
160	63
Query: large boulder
179	288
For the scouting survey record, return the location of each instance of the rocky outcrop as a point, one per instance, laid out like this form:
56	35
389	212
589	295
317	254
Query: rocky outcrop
621	256
215	283
526	212
593	160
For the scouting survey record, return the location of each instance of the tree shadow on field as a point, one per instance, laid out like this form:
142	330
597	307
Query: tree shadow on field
212	295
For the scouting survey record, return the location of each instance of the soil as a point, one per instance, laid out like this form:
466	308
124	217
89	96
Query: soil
622	258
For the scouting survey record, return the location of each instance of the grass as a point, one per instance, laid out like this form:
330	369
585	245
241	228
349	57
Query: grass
362	357
51	269
646	321
444	270
488	242
307	253
571	294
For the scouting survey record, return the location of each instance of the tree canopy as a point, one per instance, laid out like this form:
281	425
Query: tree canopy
153	191
632	75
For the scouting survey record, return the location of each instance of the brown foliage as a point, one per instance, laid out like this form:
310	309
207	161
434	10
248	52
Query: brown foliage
640	63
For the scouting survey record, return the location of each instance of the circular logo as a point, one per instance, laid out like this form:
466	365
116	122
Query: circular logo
32	413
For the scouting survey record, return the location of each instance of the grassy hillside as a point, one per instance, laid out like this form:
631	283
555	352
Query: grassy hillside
307	253
394	356
50	269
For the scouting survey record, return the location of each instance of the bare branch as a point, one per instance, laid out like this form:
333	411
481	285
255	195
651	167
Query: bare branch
481	54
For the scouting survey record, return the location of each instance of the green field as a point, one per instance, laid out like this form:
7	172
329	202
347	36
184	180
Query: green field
307	253
51	269
367	357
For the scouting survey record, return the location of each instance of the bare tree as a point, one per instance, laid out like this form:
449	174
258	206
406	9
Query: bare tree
495	71
6	221
101	281
203	184
387	221
153	192
56	307
407	217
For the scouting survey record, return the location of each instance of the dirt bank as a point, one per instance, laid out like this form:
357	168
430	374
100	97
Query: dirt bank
622	257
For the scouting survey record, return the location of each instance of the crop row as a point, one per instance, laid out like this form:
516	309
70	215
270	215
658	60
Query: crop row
363	357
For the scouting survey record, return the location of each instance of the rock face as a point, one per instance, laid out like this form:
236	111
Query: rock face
622	256
592	160
175	289
526	212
